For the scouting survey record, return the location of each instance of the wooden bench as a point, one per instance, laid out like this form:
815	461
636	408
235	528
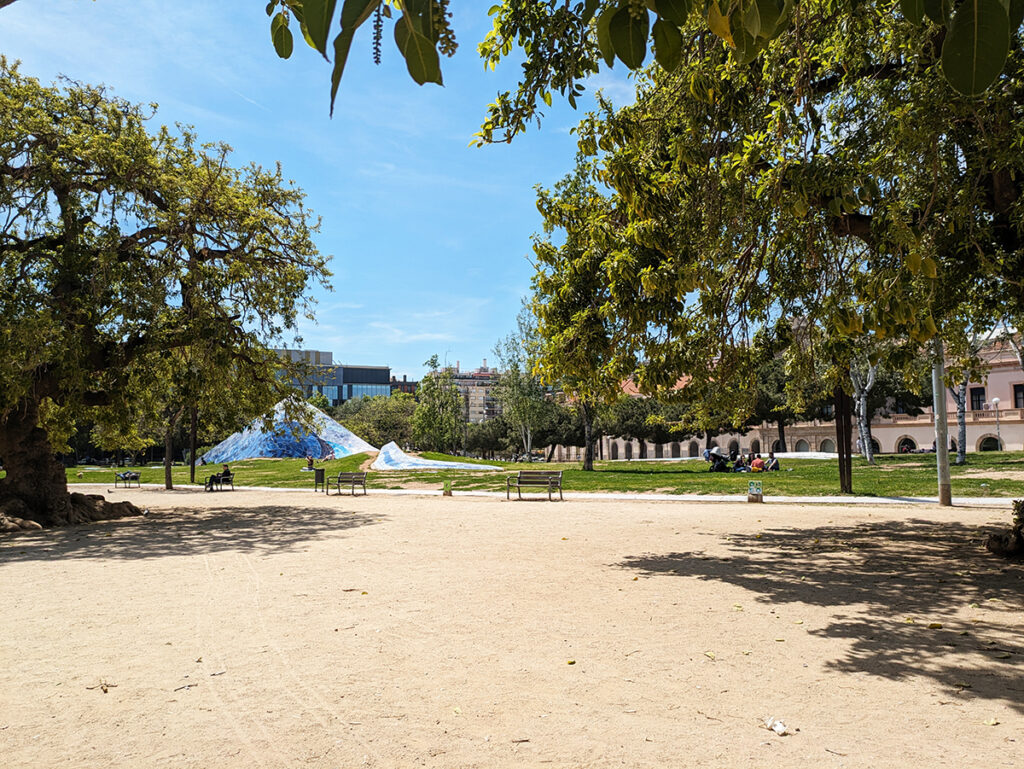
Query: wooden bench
351	480
548	479
127	478
217	481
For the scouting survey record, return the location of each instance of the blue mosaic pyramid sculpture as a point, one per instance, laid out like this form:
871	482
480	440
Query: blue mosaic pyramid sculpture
328	440
393	458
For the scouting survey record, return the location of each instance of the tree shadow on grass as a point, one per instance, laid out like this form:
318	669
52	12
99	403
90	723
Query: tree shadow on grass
185	531
886	583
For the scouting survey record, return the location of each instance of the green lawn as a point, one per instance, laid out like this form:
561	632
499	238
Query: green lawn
988	474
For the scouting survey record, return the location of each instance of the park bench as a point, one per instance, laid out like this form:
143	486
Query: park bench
351	480
127	477
548	479
217	481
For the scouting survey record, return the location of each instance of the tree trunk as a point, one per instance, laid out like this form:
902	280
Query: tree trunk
588	438
782	435
168	456
551	452
34	492
960	399
843	437
193	430
861	390
941	433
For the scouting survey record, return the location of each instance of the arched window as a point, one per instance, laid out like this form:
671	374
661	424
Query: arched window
629	450
802	446
989	443
875	447
615	450
659	451
693	449
755	446
734	447
776	445
906	445
827	445
676	451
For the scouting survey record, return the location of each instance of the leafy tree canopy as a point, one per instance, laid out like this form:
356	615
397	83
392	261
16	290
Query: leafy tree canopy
563	42
125	253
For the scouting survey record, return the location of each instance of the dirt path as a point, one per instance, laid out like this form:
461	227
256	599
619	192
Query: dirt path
283	629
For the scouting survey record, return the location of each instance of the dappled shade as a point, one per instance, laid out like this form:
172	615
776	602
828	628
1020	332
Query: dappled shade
887	583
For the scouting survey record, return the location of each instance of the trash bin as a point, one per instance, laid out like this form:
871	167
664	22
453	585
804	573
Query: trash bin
318	479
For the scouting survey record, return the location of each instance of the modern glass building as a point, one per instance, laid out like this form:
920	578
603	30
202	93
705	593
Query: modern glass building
338	382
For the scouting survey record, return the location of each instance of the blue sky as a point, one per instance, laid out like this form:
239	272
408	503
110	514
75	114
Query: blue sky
429	238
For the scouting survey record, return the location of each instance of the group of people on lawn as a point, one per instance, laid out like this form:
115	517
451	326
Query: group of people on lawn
752	463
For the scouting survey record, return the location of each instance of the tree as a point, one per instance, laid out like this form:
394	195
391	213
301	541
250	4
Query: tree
119	249
318	400
380	419
437	423
576	334
520	393
563	42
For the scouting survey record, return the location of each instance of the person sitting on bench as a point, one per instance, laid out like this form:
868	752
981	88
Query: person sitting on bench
217	477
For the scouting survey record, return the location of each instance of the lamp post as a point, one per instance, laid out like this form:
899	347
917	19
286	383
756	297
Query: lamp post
999	440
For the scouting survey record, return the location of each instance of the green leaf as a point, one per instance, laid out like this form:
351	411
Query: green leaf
589	9
976	46
668	45
675	11
937	10
355	12
318	14
629	36
913	10
281	36
761	18
604	38
421	57
1016	14
271	6
342	44
718	23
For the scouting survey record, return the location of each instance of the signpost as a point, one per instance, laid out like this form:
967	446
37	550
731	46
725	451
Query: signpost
754	492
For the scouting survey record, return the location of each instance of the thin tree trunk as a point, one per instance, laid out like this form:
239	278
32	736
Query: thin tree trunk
168	456
193	430
843	437
960	399
782	435
941	433
588	438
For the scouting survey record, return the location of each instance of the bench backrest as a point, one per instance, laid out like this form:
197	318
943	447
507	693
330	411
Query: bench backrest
349	477
541	475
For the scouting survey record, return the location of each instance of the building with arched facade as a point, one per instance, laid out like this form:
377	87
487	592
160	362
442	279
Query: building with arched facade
994	415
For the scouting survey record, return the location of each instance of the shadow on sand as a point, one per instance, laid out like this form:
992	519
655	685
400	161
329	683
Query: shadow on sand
181	531
886	583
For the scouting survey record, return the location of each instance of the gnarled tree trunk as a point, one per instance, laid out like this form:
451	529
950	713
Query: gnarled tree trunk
35	491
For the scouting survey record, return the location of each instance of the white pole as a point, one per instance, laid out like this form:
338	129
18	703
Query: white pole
941	430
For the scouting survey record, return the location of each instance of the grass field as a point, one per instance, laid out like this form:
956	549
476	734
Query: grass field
996	474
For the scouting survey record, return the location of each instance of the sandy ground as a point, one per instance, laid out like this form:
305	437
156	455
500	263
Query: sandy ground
254	629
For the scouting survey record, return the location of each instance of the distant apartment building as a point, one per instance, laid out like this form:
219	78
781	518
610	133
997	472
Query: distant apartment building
477	390
340	382
403	386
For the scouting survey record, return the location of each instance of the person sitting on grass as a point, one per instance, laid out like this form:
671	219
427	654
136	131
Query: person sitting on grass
739	465
757	464
773	462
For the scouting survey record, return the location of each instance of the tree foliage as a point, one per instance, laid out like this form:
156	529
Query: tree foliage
562	42
380	419
123	252
438	423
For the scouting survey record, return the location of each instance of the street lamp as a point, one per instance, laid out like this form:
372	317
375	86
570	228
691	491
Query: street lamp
999	440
